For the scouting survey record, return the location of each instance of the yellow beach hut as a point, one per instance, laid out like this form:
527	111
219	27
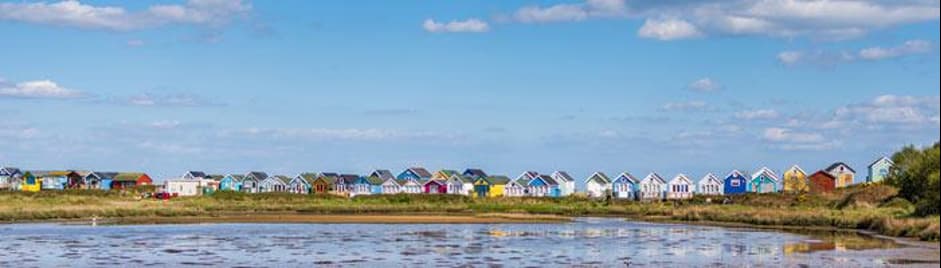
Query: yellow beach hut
30	183
795	180
490	186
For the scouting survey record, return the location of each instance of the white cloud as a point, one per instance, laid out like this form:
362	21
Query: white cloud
760	114
38	89
827	20
822	57
571	12
705	85
890	110
668	29
688	106
471	25
908	48
76	14
165	124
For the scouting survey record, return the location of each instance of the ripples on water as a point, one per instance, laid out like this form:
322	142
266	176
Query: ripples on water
586	242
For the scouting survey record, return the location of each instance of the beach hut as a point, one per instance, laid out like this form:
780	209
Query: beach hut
418	174
54	179
843	173
795	180
252	180
437	185
302	183
597	185
624	186
344	184
231	182
461	184
99	180
391	186
821	182
30	183
544	186
492	186
879	169
764	181
412	186
735	183
366	185
566	182
680	187
10	178
517	188
181	187
276	183
325	183
652	187
474	173
125	180
709	185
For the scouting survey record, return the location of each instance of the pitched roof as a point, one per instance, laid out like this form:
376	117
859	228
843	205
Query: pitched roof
881	159
547	179
348	178
235	177
308	177
629	177
521	182
103	174
798	168
421	172
599	176
11	170
373	180
562	176
127	176
328	174
838	164
735	173
683	177
474	172
528	174
283	179
767	172
654	176
824	173
710	177
498	179
197	174
258	175
51	173
462	178
382	174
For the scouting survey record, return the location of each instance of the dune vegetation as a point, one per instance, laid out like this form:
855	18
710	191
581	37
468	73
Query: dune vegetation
866	207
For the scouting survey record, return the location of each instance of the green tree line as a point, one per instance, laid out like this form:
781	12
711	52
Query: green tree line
915	174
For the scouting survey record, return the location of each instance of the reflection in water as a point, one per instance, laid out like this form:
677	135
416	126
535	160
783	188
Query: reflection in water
585	242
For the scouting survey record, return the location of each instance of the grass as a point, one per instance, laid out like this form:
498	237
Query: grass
871	207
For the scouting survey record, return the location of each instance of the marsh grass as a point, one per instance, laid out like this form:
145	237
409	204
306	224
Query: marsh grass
872	207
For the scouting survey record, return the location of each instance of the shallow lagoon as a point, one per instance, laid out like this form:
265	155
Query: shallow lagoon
585	242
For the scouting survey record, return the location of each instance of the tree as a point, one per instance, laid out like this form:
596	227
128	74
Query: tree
916	175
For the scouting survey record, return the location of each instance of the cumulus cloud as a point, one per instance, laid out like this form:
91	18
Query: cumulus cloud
890	110
38	89
760	114
824	58
688	106
705	84
471	25
835	19
86	16
668	29
571	12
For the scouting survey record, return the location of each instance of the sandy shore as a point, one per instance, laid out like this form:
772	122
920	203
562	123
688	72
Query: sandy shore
322	218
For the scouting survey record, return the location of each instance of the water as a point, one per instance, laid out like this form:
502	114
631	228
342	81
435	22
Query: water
585	242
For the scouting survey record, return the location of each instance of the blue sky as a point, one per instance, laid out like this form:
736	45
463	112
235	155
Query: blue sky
601	85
